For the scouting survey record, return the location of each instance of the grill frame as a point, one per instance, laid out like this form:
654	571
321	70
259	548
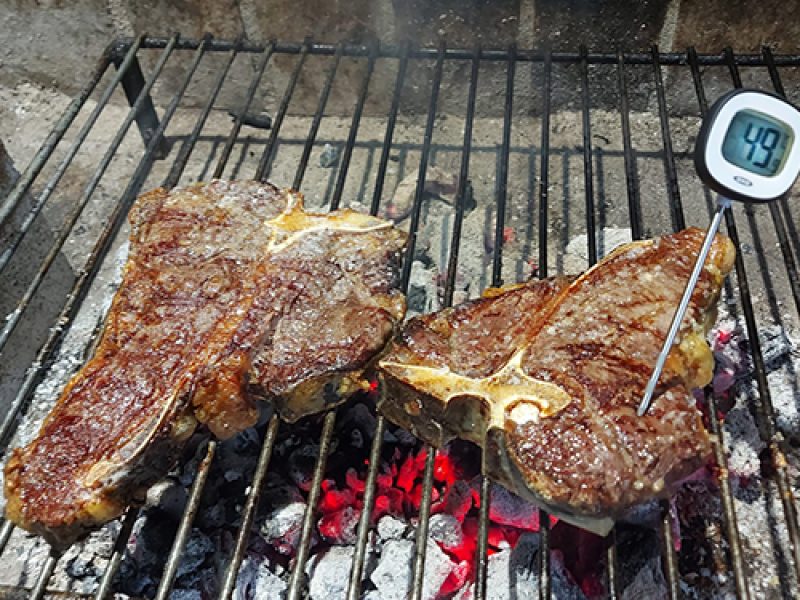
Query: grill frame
123	54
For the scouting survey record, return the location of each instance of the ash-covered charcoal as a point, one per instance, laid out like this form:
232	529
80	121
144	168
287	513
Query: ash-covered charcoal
391	528
258	579
283	526
392	576
445	529
512	574
328	571
507	508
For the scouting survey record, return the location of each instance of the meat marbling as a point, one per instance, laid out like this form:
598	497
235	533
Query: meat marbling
232	293
546	376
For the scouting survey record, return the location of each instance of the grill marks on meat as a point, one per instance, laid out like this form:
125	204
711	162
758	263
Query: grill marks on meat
547	377
224	301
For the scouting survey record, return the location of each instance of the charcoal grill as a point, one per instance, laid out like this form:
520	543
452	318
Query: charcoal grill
638	78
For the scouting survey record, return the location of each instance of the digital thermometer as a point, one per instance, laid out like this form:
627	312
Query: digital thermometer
748	149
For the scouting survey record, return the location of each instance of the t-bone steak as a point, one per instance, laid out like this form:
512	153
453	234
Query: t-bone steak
232	293
546	376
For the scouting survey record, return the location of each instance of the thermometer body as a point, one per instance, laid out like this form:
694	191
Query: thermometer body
748	149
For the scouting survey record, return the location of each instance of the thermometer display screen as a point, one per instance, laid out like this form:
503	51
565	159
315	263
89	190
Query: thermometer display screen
757	143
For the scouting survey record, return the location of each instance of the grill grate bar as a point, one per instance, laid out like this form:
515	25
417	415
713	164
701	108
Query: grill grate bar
423	167
762	406
424	521
120	544
10	420
631	180
489	54
40	588
370	485
249	512
588	175
430	457
612	569
23	185
5	533
545	587
182	158
185	527
154	143
482	551
775	213
390	124
481	558
25	181
502	176
668	554
463	182
728	508
764	410
237	122
543	557
370	488
544	170
675	203
265	164
315	123
297	577
769	58
788	258
351	136
718	447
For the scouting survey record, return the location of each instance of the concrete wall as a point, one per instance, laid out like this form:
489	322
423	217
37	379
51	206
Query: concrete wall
40	37
54	42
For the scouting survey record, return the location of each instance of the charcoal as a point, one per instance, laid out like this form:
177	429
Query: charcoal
506	508
283	527
198	547
392	576
329	573
391	528
257	581
446	529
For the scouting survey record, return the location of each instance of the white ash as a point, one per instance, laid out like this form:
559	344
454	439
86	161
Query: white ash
392	576
446	529
391	528
328	571
260	580
512	574
576	255
283	526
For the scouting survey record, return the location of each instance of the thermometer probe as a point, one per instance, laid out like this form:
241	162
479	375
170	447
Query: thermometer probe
747	150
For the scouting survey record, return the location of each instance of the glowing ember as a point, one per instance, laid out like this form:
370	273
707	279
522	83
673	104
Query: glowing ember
454	499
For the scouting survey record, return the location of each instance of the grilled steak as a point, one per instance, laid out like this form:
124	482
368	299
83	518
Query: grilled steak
547	376
231	293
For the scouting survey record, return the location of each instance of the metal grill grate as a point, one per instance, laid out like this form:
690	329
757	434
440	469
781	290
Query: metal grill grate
546	71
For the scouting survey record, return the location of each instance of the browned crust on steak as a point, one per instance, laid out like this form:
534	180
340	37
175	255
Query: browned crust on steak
219	276
554	403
